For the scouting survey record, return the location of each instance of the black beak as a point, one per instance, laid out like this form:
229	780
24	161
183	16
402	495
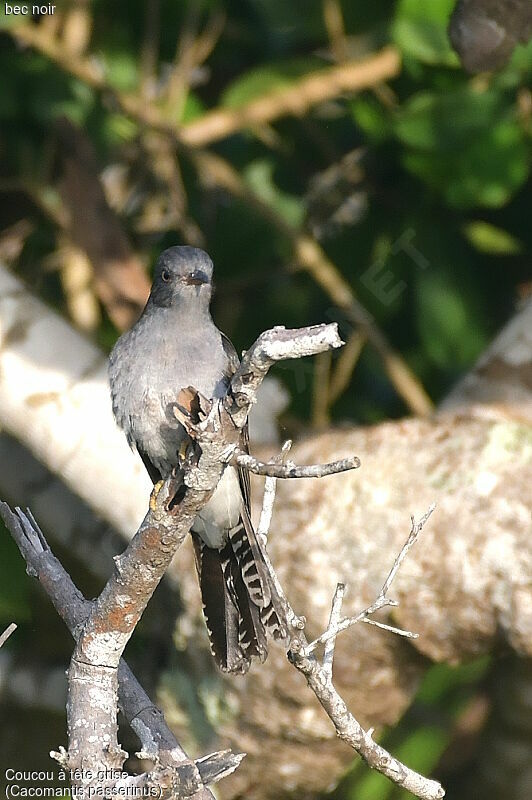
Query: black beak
196	278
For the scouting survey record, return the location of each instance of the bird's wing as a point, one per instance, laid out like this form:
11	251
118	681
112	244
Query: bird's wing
243	474
152	471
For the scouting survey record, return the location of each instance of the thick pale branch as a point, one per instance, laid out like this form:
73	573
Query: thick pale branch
291	470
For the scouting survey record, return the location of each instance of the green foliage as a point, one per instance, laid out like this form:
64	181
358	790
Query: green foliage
490	239
419	29
259	176
14	583
446	322
465	143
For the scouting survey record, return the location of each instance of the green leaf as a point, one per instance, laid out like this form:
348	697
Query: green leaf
267	78
117	129
445	121
193	109
423	748
467	145
441	680
420	30
489	239
259	176
371	117
450	334
77	106
121	70
14	583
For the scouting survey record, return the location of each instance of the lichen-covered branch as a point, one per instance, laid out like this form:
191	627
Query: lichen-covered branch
93	675
157	740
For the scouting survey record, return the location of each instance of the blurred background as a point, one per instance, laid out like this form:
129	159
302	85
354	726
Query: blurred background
339	161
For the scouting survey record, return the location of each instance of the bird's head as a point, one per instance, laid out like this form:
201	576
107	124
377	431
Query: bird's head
183	276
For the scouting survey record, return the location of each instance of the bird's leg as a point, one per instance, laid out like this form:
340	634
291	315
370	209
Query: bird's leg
154	496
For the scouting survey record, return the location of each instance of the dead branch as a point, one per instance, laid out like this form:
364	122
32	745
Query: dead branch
319	676
94	668
291	470
157	740
7	633
381	601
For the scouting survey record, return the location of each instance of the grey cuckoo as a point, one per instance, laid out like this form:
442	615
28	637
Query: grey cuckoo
173	345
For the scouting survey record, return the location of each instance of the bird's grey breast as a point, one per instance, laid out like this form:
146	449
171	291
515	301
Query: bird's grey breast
148	368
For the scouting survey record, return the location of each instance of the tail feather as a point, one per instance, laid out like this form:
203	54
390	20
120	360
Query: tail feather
234	624
251	635
256	575
221	613
238	613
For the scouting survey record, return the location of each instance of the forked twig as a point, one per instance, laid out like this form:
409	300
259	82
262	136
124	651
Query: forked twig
382	600
319	675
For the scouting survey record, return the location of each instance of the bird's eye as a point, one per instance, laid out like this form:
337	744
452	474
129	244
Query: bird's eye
165	275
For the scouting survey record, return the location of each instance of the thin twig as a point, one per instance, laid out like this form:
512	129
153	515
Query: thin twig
7	633
297	99
319	680
334	23
382	600
390	628
336	610
291	470
294	621
415	530
268	498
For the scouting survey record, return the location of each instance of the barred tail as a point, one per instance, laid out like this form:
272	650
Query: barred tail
240	602
236	633
257	578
